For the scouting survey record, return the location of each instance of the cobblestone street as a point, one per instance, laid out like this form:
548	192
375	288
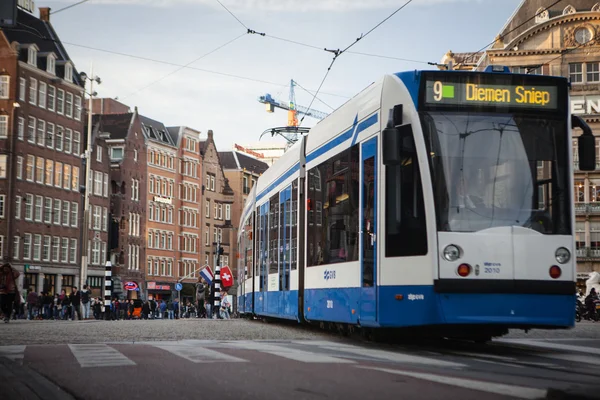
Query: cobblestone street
92	331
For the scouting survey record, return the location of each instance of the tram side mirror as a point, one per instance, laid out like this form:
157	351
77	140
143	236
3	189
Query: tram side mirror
586	144
397	144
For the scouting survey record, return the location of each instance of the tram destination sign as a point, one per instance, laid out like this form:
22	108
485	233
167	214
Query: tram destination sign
440	92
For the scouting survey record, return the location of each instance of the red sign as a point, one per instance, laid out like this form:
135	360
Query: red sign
226	277
248	151
130	286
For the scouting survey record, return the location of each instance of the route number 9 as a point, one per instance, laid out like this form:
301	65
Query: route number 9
437	90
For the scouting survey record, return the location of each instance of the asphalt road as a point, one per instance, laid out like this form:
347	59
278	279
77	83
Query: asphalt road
311	367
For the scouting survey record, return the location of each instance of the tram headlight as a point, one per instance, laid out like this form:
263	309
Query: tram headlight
562	255
451	253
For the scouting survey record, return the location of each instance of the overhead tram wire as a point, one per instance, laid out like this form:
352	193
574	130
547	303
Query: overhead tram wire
338	53
67	7
311	93
185	66
251	31
503	36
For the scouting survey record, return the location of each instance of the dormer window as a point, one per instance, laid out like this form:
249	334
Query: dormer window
51	64
68	72
542	15
569	10
32	56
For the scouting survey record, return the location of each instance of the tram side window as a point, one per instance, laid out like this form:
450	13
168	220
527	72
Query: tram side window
406	231
332	206
273	234
294	213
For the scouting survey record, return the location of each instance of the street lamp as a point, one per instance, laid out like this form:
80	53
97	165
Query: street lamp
88	164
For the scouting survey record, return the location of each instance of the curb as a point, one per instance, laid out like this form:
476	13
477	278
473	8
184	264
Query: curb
574	393
23	383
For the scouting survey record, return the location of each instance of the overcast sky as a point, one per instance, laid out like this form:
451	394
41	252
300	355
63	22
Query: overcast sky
181	31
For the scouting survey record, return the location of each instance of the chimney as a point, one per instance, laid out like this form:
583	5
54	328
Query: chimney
210	134
45	14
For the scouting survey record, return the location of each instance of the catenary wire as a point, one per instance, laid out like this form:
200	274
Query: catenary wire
512	30
337	53
184	66
189	67
70	6
233	15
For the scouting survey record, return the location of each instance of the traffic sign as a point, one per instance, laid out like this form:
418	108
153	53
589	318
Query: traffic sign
178	286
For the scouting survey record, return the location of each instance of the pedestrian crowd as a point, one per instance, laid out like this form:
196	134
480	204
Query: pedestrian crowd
63	306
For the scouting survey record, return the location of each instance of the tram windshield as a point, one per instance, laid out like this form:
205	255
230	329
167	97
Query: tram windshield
493	170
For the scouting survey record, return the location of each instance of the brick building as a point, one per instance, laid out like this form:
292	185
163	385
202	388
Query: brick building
242	172
189	193
125	156
162	206
41	129
218	199
98	224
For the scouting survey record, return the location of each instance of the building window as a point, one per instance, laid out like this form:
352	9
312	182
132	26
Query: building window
33	91
3	165
3	126
21	129
4	86
22	88
77	115
2	203
60	101
98	153
42	98
51	64
32	56
69	105
76	142
592	72
68	72
116	153
576	73
51	97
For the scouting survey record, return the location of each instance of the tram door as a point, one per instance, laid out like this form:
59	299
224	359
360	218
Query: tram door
368	229
285	199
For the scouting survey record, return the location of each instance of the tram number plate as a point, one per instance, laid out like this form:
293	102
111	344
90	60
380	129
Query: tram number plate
329	303
491	270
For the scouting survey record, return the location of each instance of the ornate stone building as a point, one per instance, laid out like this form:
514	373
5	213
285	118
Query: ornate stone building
563	40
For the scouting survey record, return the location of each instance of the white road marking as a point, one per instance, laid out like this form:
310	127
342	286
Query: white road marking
384	355
490	387
195	354
506	364
479	355
99	355
550	345
572	357
290	353
15	353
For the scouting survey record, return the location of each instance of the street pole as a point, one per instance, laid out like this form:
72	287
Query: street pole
86	208
217	294
107	289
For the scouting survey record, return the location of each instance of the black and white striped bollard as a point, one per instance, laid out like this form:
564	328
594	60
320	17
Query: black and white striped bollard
107	289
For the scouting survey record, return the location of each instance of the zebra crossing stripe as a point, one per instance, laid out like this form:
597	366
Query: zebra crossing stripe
289	353
195	354
14	353
99	355
550	345
384	355
520	392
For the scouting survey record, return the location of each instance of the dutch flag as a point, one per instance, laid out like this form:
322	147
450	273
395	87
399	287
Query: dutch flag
207	274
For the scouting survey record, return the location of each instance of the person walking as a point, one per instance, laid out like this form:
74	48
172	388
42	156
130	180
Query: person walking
9	291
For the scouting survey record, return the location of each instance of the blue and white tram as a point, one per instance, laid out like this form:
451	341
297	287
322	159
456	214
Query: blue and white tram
435	199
